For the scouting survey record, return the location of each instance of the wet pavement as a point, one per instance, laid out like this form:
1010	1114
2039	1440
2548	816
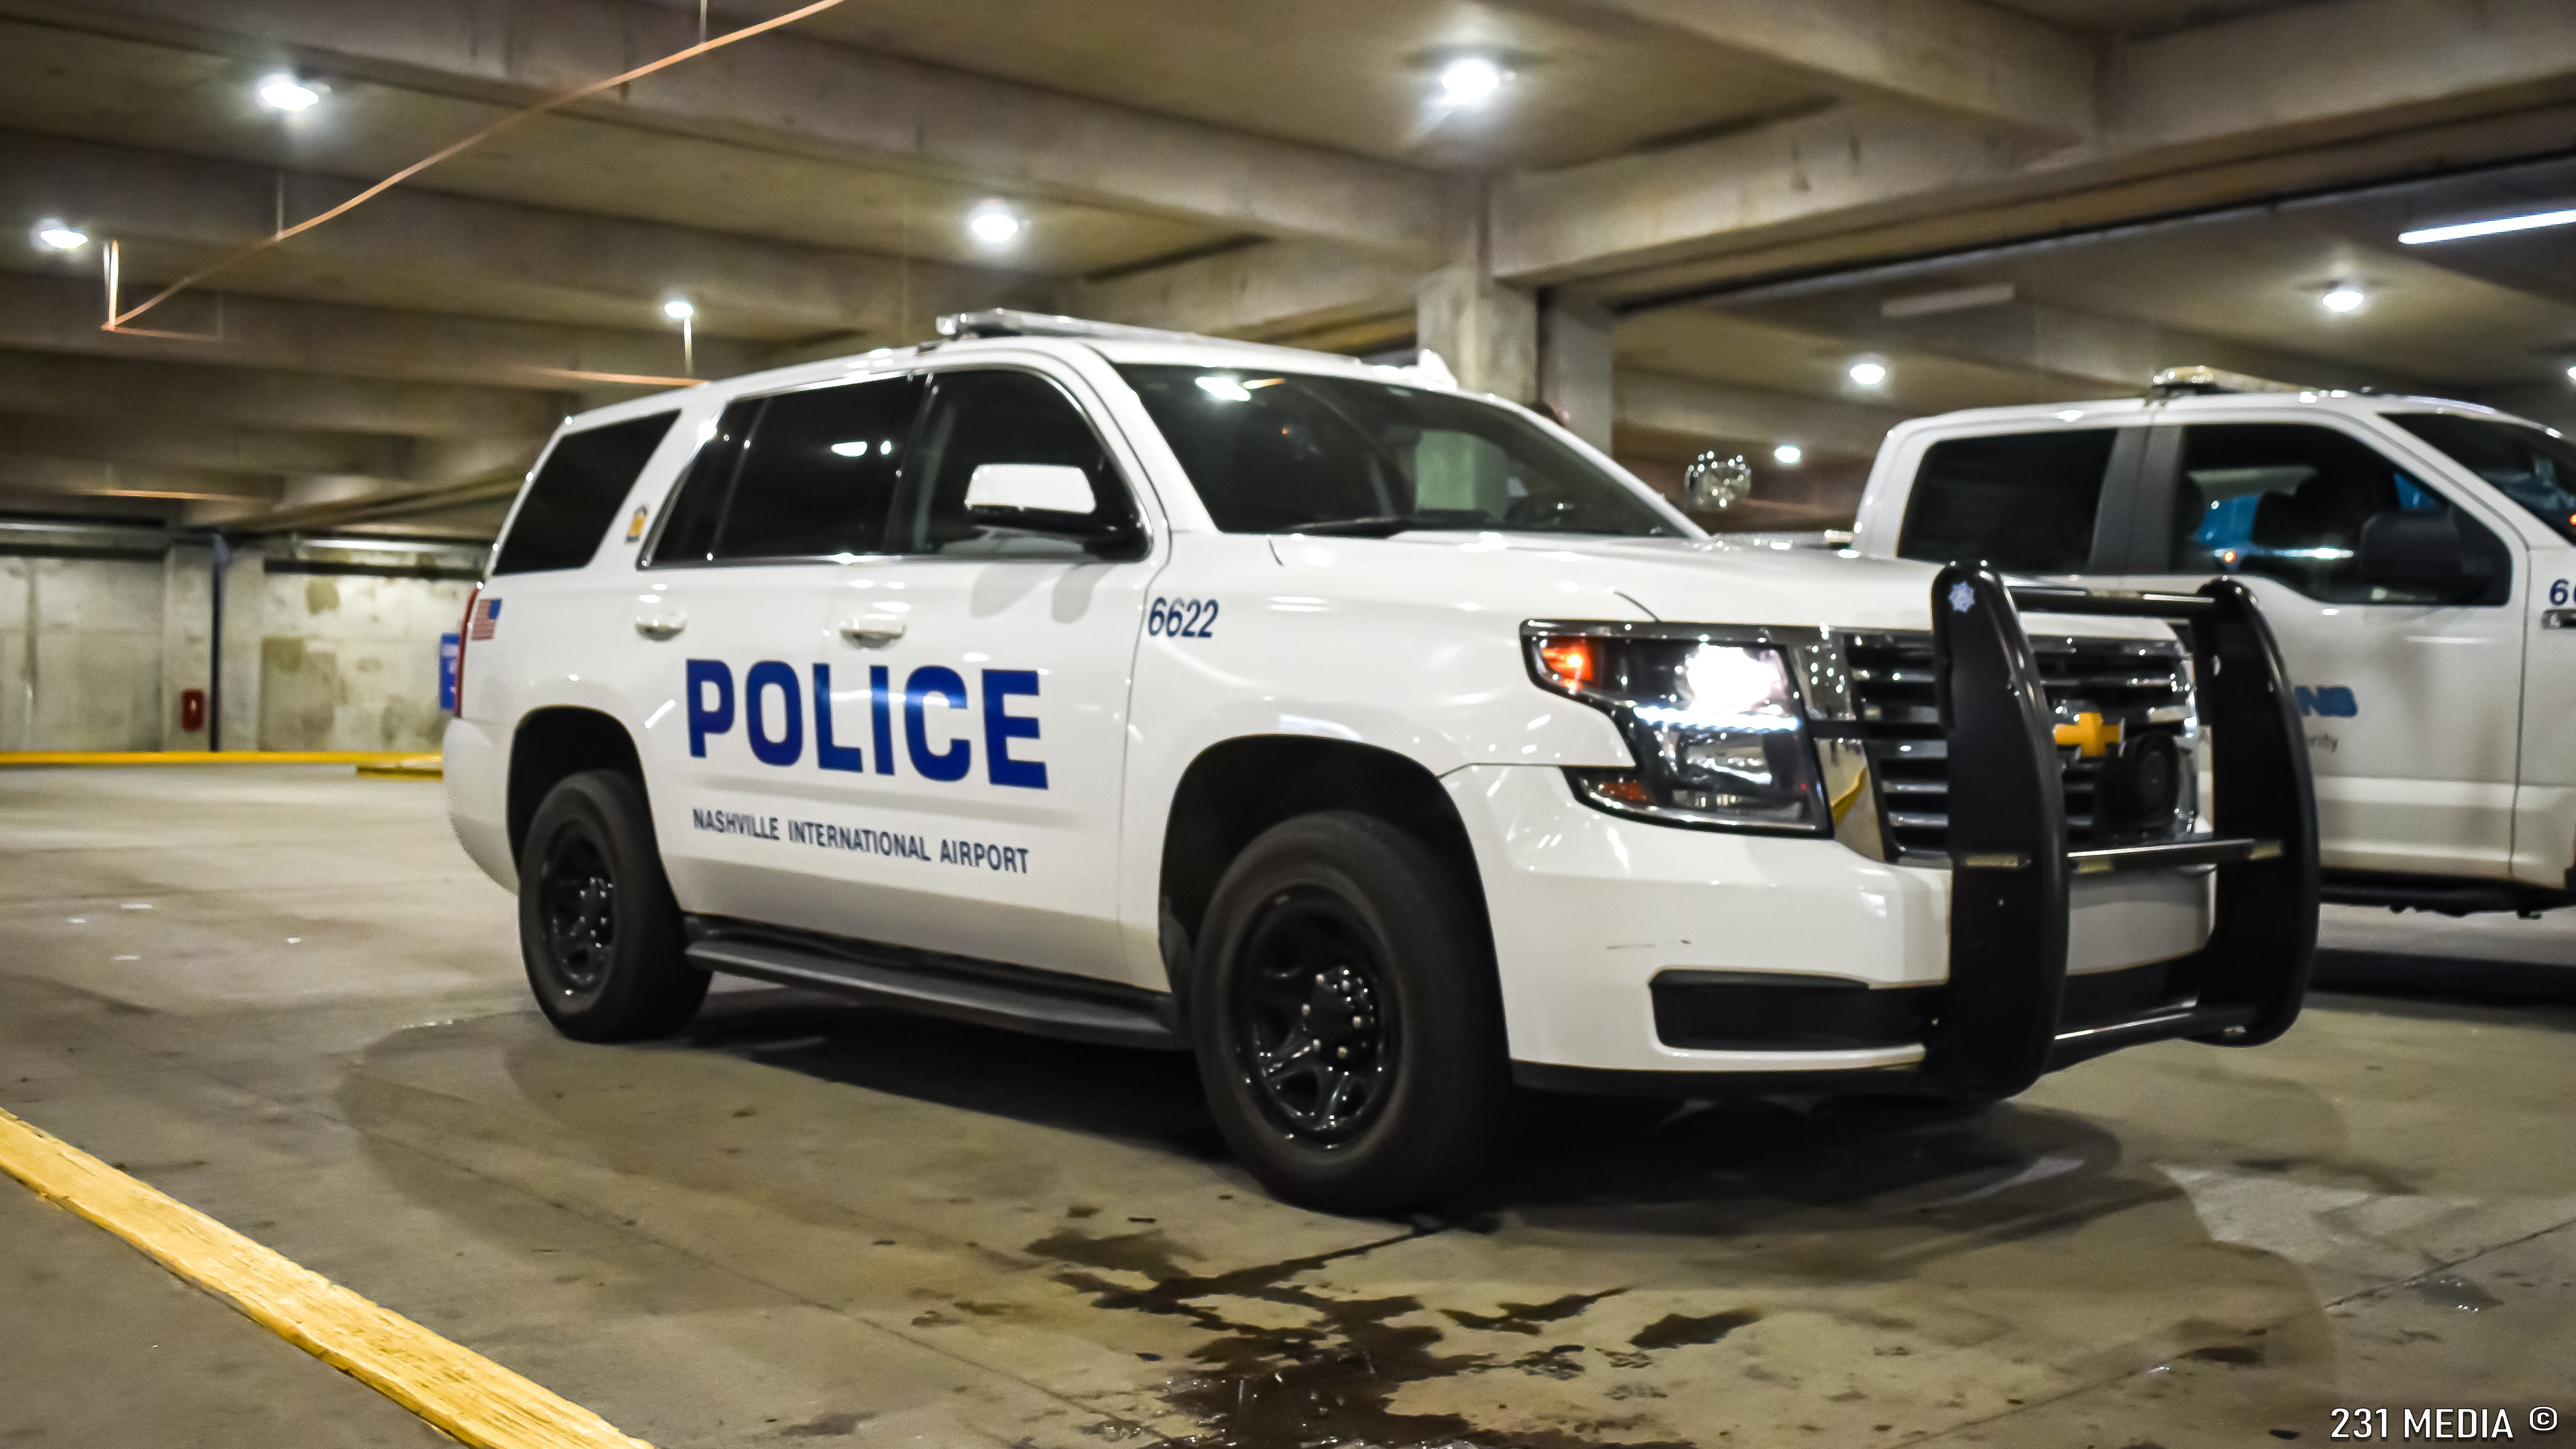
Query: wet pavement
283	996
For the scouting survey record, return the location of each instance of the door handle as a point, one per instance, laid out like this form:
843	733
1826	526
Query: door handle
870	633
661	626
2558	619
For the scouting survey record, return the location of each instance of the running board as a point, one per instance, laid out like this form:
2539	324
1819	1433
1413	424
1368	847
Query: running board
986	993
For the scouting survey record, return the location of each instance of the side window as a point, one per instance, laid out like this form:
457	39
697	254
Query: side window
2290	501
575	496
818	477
2024	502
688	529
1022	433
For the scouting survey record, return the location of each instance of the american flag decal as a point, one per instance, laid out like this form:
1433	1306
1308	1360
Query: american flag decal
486	619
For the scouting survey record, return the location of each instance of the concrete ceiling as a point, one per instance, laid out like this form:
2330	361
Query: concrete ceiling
1278	171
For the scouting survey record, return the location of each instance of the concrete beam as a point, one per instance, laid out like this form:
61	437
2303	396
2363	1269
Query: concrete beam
503	256
791	93
2315	95
157	443
240	397
1719	411
1266	290
113	480
2035	337
1974	61
62	314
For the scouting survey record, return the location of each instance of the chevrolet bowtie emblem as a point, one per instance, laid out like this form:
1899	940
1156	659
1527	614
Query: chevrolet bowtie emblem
2090	734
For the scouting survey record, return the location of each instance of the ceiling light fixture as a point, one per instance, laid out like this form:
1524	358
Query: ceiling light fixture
56	235
1788	455
2344	300
283	92
2499	225
993	223
1471	80
1866	373
679	309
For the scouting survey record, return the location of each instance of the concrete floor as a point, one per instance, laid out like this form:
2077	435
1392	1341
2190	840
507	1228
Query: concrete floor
283	996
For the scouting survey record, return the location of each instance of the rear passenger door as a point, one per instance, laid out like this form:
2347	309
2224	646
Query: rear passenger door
2410	700
983	663
2048	503
725	645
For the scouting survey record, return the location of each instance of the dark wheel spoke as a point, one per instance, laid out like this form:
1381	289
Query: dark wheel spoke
1314	1017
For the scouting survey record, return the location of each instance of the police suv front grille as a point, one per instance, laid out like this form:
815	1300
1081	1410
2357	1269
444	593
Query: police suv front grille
2141	685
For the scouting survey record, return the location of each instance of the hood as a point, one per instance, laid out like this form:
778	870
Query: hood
1677	580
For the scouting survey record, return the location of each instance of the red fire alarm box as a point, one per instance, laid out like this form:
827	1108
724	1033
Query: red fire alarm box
192	710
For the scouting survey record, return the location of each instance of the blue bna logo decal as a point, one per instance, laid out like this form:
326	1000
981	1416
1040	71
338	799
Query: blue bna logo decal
2334	701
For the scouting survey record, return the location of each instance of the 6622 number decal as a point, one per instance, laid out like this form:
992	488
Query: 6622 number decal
1182	618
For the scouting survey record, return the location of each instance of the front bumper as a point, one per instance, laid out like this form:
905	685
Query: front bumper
1638	957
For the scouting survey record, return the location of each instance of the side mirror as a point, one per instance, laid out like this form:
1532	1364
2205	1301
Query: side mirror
2420	552
1713	484
1021	488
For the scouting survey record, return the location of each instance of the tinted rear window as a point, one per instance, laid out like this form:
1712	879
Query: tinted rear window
2023	502
576	495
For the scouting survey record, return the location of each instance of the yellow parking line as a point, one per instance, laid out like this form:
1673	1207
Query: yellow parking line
464	1395
23	758
409	767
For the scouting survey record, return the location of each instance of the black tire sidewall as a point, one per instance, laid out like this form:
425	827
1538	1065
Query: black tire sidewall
1434	1139
648	988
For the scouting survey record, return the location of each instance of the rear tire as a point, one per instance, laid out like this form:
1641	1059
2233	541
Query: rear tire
598	929
1348	1023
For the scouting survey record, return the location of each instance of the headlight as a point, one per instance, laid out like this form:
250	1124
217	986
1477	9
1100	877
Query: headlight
1715	724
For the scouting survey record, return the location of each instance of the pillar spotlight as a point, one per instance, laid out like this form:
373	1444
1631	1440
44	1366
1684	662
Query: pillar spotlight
1471	80
283	92
55	235
993	223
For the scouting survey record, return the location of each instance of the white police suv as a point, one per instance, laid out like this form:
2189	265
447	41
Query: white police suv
2416	556
1381	744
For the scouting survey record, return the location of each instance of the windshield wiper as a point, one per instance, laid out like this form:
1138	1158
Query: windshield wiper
1380	525
1387	525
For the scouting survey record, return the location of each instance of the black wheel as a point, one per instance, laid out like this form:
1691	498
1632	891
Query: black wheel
1348	1025
597	925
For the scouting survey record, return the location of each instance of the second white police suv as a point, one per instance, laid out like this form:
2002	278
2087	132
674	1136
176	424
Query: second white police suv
1382	744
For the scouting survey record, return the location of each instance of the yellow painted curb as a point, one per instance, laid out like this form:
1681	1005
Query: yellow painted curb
464	1395
413	767
27	758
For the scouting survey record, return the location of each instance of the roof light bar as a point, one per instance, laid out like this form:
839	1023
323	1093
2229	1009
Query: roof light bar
2496	227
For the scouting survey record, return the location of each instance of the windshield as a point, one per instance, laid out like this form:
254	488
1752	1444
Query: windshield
2531	467
1297	453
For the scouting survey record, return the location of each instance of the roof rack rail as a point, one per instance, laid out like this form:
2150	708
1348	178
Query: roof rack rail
1007	322
2202	380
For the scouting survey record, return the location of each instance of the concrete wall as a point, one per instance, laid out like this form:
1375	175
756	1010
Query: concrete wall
80	653
350	662
95	652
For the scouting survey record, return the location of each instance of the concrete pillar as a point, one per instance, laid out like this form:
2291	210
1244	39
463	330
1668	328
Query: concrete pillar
1485	331
1575	364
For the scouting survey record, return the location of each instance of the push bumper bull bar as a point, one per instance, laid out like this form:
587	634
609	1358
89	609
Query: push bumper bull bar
2000	1023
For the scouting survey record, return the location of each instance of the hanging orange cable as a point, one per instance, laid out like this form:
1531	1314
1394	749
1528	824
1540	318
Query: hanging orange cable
116	321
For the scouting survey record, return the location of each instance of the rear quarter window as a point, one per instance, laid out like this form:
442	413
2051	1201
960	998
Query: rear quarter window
576	495
2023	502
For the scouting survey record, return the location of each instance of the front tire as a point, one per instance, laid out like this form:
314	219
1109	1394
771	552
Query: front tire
1348	1024
598	929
